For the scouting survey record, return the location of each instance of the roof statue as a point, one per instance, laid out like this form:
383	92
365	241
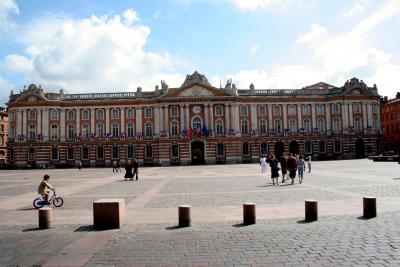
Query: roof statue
195	78
252	89
355	83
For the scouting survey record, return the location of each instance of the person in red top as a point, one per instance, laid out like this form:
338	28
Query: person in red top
292	166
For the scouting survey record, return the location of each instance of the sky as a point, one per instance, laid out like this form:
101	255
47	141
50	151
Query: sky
114	46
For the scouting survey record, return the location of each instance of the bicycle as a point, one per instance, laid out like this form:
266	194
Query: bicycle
56	200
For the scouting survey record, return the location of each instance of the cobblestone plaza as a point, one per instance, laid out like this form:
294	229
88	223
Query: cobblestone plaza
217	237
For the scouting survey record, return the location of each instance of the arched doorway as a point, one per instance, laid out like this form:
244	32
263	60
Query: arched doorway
197	148
360	150
294	148
279	149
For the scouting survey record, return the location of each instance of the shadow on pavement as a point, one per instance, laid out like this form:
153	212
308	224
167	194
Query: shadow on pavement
32	229
85	228
365	219
238	225
176	227
27	208
304	222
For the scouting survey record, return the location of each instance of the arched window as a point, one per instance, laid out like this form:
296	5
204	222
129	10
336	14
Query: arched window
278	126
262	111
115	130
130	131
243	110
54	114
100	114
219	111
292	125
307	125
174	111
115	113
85	131
130	114
148	113
320	110
292	110
196	124
336	125
357	124
277	110
54	132
85	115
321	125
71	115
100	130
244	127
148	129
262	126
306	110
71	131
174	129
335	108
219	127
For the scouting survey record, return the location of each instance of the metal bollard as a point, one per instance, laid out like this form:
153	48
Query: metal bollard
45	218
184	216
249	213
369	207
311	210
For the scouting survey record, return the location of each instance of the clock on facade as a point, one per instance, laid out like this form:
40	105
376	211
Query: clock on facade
196	109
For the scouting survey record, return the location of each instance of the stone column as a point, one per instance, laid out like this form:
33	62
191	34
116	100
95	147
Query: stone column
284	115
227	118
156	120
270	122
369	114
123	129
313	117
345	125
236	117
182	116
45	125
206	115
364	115
299	122
39	121
138	126
187	117
92	120
253	110
166	121
78	121
19	122
62	124
107	110
328	118
350	108
211	125
24	123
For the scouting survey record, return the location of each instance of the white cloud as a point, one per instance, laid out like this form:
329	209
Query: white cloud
256	5
254	49
5	88
358	9
99	53
7	7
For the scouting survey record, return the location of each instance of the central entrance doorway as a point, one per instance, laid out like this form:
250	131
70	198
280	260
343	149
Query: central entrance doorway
197	148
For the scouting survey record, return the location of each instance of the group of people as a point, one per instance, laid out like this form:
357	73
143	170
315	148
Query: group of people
287	163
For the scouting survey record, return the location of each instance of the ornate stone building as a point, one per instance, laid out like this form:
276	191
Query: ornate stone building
3	136
390	112
195	123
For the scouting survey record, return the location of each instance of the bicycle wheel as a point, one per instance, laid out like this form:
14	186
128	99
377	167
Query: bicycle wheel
38	203
58	202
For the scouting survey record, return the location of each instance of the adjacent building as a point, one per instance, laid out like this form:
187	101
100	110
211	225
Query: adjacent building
195	123
390	112
3	136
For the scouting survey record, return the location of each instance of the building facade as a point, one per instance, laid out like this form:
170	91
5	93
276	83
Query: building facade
3	136
390	112
193	124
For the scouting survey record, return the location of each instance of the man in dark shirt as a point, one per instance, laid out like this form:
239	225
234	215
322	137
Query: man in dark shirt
135	169
292	167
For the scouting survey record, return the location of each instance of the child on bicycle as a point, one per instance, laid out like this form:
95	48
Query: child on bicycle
45	187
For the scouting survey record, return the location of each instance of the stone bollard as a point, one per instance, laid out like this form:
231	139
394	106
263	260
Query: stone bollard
109	213
184	216
249	213
45	218
311	210
369	207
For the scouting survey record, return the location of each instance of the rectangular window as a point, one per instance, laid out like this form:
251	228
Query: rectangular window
100	153
322	147
54	153
115	152
85	153
70	153
246	149
220	150
11	154
264	148
174	151
31	154
219	110
337	148
149	151
32	114
307	147
131	152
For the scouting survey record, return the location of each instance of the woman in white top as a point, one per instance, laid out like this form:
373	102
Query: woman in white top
263	163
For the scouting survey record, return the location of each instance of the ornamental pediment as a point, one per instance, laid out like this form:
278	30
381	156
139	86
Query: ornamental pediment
198	91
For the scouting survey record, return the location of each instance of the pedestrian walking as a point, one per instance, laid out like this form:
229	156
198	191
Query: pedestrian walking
114	166
273	163
80	165
135	169
308	160
283	160
128	171
118	166
301	166
263	163
292	167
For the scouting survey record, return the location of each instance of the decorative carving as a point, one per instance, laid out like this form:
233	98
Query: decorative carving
196	91
252	89
195	78
354	83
